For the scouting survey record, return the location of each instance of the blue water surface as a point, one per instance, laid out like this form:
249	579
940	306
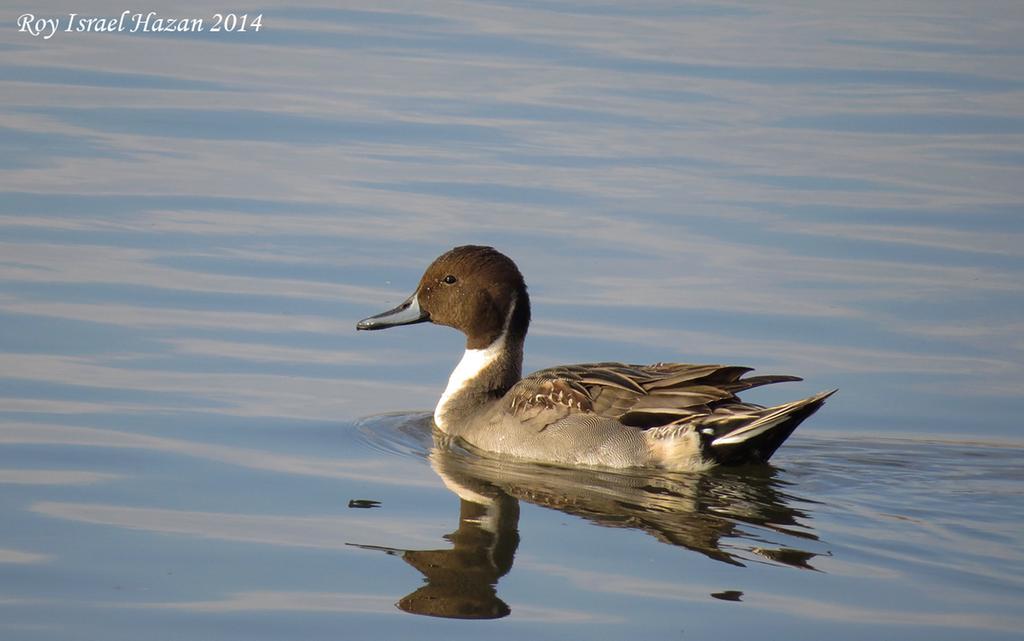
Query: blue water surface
196	443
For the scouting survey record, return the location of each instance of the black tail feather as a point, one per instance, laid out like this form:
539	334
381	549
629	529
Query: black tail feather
755	443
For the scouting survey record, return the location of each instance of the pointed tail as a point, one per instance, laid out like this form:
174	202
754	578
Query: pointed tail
756	441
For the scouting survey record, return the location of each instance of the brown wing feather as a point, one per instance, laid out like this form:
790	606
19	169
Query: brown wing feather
639	395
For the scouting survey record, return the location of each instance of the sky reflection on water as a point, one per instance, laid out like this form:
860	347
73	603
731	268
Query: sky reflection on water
191	224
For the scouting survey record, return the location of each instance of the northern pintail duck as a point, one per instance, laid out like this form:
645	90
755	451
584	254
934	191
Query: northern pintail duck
671	415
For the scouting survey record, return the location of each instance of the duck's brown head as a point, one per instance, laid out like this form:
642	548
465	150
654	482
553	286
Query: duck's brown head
477	290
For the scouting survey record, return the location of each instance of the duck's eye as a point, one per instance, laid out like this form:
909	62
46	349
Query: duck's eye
449	280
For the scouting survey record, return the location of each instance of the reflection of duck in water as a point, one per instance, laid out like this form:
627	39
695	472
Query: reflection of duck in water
702	512
461	582
668	415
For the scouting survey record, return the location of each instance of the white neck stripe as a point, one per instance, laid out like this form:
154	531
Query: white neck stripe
474	361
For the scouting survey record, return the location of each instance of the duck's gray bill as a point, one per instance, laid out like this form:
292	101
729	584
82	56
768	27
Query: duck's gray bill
408	313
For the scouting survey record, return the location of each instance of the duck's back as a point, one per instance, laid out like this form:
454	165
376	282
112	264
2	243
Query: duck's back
622	415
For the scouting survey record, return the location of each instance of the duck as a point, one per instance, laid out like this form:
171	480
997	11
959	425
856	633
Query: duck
672	416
